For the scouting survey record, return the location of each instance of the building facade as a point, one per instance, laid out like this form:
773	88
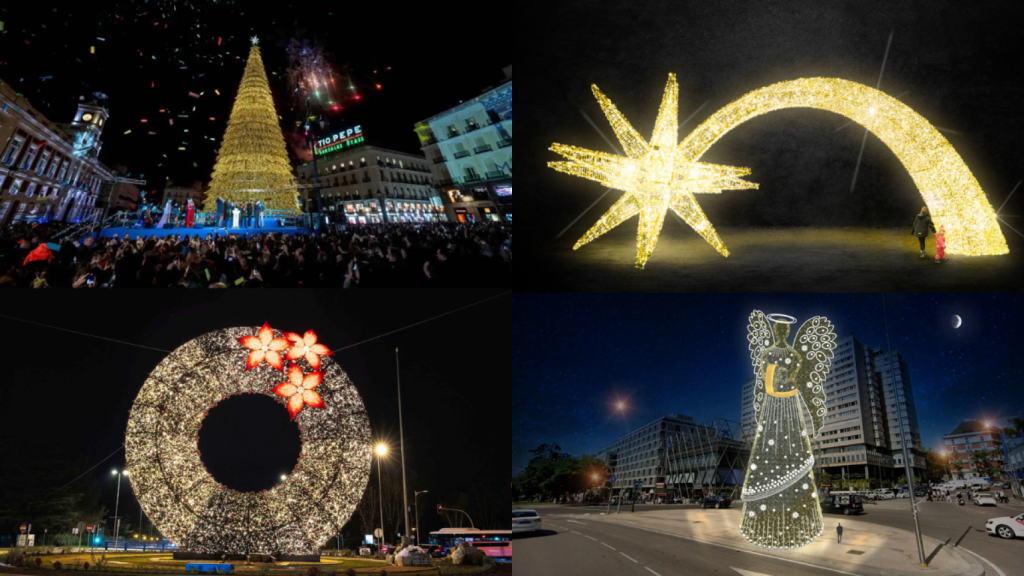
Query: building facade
370	185
966	439
861	436
470	150
49	171
640	455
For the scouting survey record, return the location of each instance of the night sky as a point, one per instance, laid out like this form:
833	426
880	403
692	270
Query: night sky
151	54
577	354
67	397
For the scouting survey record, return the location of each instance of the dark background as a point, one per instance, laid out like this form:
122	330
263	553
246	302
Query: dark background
688	354
66	398
959	63
434	66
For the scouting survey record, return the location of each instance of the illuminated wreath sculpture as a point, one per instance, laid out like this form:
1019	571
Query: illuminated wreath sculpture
182	499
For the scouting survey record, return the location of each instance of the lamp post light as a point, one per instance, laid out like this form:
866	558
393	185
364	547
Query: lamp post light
381	451
621	407
415	501
401	439
117	503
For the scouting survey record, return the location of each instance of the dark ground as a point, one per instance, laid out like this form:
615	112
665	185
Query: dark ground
770	260
949	62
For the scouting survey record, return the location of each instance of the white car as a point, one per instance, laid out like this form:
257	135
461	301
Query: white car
884	495
525	521
984	500
1006	527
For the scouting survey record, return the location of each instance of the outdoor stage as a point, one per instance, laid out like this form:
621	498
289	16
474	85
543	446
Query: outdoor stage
134	233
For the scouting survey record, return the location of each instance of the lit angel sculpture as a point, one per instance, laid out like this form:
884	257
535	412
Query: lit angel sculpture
780	505
656	177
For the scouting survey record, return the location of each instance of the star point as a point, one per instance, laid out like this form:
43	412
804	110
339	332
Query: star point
255	40
655	176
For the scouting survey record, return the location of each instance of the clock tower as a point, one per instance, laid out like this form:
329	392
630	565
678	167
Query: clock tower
87	129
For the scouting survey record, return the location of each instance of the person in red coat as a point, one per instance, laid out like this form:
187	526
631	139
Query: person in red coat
40	254
190	220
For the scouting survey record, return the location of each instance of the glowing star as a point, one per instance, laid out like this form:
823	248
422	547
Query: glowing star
255	40
652	175
299	391
264	347
656	177
306	346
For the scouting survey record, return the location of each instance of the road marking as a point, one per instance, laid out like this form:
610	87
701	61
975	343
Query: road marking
986	560
738	550
591	537
575	532
748	573
651	571
575	522
635	562
607	545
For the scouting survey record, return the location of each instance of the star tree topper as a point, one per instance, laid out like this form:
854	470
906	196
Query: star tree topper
655	177
255	40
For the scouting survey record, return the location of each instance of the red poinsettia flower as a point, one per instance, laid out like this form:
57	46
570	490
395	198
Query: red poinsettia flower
264	347
306	346
299	390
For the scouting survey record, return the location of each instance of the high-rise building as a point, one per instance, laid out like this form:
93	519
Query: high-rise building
49	171
971	437
861	436
470	150
640	455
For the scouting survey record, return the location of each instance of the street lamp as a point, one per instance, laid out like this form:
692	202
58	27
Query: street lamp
381	451
621	408
401	439
117	503
415	501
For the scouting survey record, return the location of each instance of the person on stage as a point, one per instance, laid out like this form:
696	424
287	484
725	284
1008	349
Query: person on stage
165	217
248	214
259	213
190	220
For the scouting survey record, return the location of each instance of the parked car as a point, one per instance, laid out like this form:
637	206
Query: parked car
843	503
1006	527
525	521
716	502
677	501
434	550
984	500
1006	485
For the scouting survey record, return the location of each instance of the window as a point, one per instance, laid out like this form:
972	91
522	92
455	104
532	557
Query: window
13	151
43	162
16	187
53	168
30	158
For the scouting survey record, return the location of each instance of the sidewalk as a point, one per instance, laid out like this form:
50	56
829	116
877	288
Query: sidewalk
868	549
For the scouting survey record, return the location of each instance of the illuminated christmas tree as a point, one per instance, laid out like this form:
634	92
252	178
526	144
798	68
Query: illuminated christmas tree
253	162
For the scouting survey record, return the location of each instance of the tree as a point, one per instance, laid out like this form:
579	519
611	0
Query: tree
253	162
982	462
825	478
935	465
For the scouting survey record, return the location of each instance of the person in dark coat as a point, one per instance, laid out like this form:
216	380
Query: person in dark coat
220	212
922	224
839	529
248	215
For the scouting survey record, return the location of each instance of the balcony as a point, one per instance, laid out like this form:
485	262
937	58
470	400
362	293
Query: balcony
497	176
453	133
462	154
472	179
471	128
430	141
483	149
505	144
366	179
440	160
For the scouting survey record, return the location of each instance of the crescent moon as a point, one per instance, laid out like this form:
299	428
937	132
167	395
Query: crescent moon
956	321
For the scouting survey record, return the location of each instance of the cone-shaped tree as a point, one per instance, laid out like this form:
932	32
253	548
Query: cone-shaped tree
253	161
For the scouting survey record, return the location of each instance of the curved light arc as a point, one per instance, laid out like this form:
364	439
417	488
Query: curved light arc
949	189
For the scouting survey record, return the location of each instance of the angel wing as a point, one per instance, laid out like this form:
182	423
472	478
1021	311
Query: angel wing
760	336
815	342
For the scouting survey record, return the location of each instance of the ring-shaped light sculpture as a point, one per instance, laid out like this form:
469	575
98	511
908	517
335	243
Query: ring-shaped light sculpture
659	175
183	500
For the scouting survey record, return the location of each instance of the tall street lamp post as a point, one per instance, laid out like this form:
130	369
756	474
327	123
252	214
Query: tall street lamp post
415	501
621	407
401	438
117	503
381	451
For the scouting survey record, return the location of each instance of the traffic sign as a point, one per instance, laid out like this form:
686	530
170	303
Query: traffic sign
24	528
88	528
612	479
378	533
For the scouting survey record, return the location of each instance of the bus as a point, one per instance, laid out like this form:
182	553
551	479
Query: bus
494	543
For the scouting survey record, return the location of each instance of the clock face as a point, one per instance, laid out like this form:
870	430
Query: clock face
87	118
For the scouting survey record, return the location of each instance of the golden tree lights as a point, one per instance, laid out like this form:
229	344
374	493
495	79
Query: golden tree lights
181	498
662	174
253	161
780	504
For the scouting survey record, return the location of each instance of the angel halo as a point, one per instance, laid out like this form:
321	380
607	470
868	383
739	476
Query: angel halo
780	505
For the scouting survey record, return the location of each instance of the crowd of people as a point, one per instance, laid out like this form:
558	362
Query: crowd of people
370	256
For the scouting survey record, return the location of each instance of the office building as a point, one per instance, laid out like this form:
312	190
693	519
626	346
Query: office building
640	455
967	439
49	171
470	150
861	436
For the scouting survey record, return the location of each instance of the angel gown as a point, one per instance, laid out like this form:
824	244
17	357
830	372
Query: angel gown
780	504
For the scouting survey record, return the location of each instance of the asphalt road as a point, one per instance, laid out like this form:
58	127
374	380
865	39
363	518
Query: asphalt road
560	551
